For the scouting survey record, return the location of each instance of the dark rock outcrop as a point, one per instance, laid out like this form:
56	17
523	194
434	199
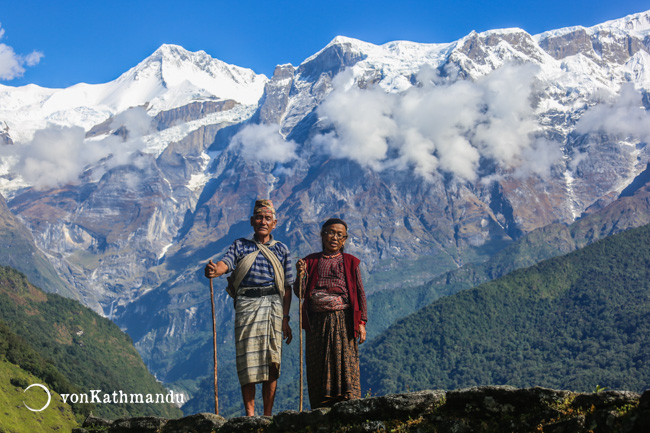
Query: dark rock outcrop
200	422
482	409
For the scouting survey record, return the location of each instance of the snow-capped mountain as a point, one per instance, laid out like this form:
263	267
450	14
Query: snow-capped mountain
171	77
436	154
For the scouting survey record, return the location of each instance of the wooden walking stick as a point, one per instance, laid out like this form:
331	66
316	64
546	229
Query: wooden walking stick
300	301
300	330
214	341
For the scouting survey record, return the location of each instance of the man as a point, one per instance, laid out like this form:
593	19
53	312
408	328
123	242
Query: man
262	274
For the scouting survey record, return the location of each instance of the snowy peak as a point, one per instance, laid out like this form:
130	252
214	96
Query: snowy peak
393	48
614	41
168	59
389	65
339	54
515	41
635	23
170	78
346	43
173	76
478	54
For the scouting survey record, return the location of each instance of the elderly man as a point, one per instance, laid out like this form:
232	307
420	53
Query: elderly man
260	283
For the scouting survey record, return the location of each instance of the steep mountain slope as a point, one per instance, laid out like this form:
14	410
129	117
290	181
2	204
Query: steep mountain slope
77	349
627	212
437	155
18	250
572	322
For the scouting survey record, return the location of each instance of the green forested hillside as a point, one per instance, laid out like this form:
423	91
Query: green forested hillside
573	322
77	350
21	366
16	418
624	213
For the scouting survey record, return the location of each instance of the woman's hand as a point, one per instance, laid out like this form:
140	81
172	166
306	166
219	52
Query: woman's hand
301	266
286	330
362	333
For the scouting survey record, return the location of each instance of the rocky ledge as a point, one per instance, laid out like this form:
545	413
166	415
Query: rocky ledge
482	409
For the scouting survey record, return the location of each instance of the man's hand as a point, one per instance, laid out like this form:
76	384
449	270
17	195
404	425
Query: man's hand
362	333
286	330
214	270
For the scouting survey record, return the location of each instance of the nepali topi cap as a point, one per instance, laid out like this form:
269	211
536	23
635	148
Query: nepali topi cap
263	206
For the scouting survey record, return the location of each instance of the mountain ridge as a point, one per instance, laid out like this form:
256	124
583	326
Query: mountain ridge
170	77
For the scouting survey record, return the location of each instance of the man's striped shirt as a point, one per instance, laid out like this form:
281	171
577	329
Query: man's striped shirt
261	273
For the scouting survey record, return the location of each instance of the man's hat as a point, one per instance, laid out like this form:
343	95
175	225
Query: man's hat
262	206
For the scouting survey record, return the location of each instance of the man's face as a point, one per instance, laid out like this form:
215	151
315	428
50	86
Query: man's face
263	223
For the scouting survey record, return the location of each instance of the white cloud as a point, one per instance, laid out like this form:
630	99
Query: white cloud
509	124
439	125
363	121
12	65
264	143
624	116
58	156
538	159
135	120
33	58
52	158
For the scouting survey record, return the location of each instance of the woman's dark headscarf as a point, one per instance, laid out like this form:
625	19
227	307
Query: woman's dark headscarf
330	222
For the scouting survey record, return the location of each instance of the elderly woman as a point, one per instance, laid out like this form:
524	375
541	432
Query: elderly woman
334	316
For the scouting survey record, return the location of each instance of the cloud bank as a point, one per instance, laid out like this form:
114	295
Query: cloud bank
623	116
59	155
439	125
263	143
12	65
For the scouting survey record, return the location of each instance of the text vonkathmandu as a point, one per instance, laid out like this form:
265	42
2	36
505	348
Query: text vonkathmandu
96	396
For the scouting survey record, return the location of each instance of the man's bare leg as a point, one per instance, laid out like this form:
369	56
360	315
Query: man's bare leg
248	394
268	395
268	390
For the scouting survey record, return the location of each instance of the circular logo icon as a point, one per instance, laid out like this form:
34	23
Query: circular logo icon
49	397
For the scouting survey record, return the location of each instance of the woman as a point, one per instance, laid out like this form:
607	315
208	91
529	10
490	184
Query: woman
334	316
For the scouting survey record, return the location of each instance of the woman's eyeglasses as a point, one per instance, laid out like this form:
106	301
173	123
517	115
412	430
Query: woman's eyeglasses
335	235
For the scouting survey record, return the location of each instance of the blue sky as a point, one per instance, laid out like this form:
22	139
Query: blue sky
95	41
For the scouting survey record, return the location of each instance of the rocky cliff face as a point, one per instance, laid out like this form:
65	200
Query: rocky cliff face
436	154
19	251
4	134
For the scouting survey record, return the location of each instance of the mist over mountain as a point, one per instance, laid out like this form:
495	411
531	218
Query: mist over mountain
437	155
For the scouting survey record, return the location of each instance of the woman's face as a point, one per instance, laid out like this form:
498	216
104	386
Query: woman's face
334	237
